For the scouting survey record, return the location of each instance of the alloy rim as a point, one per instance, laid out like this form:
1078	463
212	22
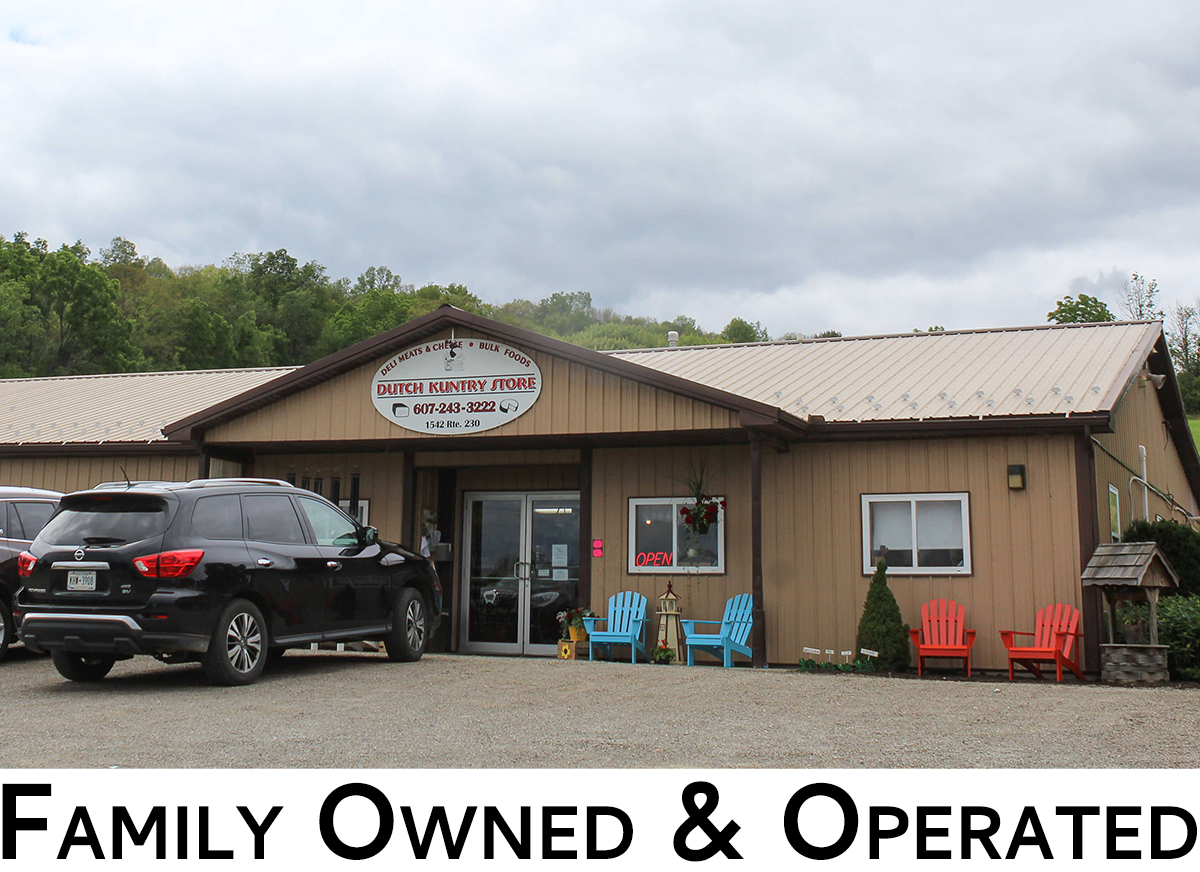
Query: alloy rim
243	642
414	625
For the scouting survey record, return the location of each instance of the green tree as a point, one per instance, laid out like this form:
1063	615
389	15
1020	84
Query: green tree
429	297
738	331
1139	299
365	315
1085	310
86	332
209	342
1189	386
828	334
379	278
1183	339
562	314
881	627
23	331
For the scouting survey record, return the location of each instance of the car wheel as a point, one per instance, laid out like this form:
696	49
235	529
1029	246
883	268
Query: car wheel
6	629
410	628
82	667
237	651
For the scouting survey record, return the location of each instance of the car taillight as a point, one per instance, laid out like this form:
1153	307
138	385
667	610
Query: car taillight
168	564
25	564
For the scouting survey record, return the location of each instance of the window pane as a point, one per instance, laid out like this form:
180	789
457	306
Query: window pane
939	533
111	519
696	549
272	519
891	533
27	519
218	517
329	525
654	535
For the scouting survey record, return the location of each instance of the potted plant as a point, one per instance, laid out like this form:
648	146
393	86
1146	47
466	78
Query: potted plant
704	510
571	622
661	655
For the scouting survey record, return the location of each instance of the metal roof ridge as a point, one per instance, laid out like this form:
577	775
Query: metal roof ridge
969	331
179	372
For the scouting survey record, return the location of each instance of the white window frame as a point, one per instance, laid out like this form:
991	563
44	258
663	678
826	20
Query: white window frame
676	503
868	564
364	511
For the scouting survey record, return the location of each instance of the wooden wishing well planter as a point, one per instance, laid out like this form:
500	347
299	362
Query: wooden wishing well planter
1134	571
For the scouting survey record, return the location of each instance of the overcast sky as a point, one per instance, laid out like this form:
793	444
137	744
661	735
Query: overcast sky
867	167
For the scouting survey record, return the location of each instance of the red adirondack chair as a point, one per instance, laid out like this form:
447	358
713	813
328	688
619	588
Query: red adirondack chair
943	633
1054	638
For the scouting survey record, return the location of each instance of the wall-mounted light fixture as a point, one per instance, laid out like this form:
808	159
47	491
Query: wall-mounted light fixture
1016	476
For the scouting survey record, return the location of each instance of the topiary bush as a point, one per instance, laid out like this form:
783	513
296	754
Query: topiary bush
881	628
1178	543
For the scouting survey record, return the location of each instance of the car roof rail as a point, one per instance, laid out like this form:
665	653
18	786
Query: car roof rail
125	485
223	482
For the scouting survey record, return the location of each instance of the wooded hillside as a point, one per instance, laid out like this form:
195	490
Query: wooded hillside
64	312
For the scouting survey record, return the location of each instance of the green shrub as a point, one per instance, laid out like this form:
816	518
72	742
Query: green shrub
881	628
1178	543
1178	629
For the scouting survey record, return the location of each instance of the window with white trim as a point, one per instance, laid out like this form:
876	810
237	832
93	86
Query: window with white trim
660	542
917	534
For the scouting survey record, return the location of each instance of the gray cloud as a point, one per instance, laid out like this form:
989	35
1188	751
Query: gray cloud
865	167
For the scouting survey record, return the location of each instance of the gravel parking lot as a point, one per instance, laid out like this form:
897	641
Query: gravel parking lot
327	709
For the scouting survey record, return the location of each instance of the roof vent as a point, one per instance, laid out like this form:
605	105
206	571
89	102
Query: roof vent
672	338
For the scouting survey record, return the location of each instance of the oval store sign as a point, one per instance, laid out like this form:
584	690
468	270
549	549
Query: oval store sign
456	386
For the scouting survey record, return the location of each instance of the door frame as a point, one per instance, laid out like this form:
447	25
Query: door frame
521	647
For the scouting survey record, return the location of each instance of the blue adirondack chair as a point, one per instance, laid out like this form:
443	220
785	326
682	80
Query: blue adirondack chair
626	625
734	632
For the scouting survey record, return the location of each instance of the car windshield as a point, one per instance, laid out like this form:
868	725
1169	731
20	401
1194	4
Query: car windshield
107	519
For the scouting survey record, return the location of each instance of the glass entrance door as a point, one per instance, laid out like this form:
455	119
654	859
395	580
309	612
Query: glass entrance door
520	569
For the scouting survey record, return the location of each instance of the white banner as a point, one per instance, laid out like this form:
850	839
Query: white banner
673	819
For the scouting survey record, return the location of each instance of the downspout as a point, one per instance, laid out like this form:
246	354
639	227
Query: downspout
1089	538
1145	483
758	642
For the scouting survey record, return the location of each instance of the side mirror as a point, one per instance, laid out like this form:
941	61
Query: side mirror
370	536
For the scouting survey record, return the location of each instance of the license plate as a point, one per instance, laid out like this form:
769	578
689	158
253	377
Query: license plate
81	579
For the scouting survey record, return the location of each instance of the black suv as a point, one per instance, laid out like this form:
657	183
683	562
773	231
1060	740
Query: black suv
223	571
23	513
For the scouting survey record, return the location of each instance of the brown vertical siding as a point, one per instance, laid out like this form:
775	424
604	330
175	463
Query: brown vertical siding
575	399
1024	543
1138	420
68	474
619	474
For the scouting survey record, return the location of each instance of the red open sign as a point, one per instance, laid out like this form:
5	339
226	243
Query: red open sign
653	558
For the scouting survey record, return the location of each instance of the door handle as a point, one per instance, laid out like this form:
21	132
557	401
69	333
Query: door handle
333	564
265	561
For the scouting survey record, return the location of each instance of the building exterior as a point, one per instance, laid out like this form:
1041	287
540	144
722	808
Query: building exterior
985	465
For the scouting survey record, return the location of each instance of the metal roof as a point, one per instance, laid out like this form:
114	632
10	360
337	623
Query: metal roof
1053	370
131	407
1057	370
